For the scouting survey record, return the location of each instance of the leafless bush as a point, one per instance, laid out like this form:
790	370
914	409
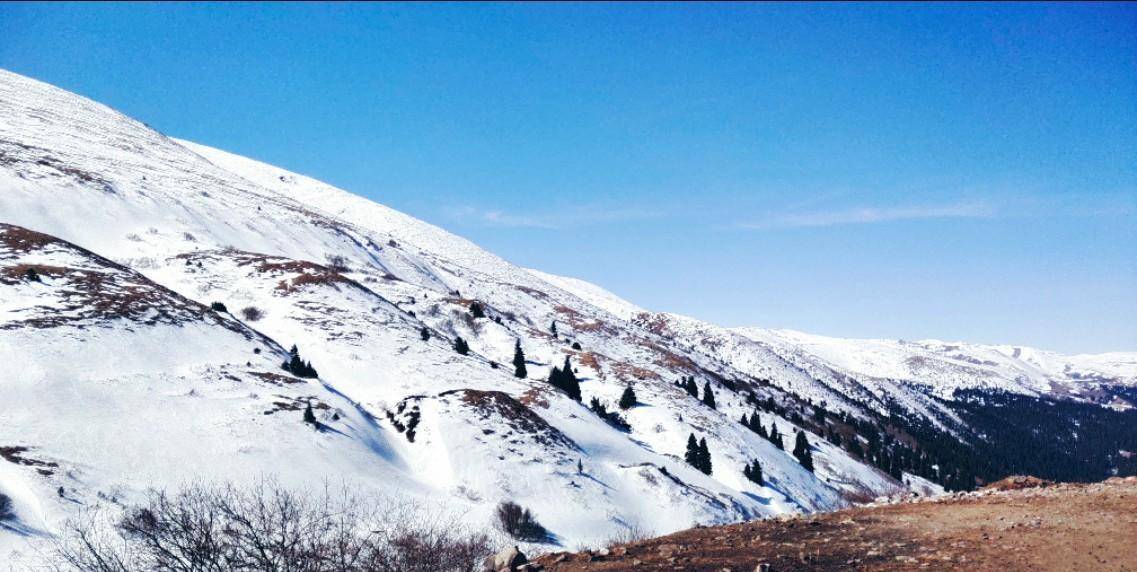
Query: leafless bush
518	522
268	528
633	533
252	313
337	263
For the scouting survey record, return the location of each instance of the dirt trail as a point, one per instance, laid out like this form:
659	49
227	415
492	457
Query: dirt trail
1048	528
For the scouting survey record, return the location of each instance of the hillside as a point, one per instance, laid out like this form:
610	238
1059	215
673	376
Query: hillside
153	290
1063	527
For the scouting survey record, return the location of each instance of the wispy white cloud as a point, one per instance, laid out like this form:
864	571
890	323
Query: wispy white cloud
872	215
568	218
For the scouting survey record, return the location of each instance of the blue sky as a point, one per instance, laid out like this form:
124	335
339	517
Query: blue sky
904	171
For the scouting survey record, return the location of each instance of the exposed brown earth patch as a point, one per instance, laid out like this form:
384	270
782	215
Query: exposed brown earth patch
627	372
519	418
92	290
1059	527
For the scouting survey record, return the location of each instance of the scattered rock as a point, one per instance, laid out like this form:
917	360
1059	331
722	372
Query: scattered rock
508	559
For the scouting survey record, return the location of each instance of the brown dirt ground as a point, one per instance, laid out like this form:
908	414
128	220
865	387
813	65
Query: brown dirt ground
1042	528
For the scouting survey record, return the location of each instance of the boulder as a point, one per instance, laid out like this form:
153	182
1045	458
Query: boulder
507	559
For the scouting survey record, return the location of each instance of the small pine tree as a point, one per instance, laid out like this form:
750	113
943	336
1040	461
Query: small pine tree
690	387
571	385
597	407
576	346
628	398
425	334
802	451
32	275
708	396
553	328
519	361
819	415
476	310
753	472
692	454
297	366
704	457
309	416
461	346
775	437
556	378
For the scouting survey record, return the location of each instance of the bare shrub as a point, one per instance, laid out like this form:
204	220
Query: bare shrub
252	313
268	528
336	263
632	533
518	522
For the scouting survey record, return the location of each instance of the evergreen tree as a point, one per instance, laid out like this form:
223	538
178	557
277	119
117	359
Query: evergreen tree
553	328
309	416
704	457
753	472
297	366
33	276
688	385
819	415
775	437
519	361
556	379
628	399
571	385
802	451
692	454
613	418
476	310
708	396
461	346
425	333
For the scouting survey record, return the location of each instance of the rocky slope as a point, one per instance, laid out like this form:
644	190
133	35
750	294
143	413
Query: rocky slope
1047	528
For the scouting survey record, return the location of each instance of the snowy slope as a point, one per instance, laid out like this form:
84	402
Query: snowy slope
797	360
947	367
128	379
165	390
125	384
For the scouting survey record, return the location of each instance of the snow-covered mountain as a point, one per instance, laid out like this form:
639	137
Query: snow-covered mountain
149	287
